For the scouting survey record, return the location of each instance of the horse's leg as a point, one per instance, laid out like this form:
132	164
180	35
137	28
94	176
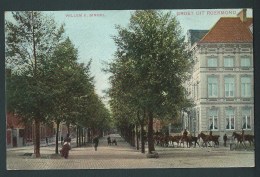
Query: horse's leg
198	143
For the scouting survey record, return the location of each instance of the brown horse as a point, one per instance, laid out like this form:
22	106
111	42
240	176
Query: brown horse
185	138
175	139
204	138
207	139
249	138
193	139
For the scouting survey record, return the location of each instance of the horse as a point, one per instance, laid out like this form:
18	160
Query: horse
187	139
204	138
175	139
207	138
164	140
193	139
249	138
214	138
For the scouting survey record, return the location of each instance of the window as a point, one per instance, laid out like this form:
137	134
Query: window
246	118
212	87
230	119
228	62
213	119
229	86
245	62
212	62
245	86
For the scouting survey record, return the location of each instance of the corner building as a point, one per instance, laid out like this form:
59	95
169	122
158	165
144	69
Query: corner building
222	78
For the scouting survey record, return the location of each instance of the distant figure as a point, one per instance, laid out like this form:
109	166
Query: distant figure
210	133
61	140
65	150
46	140
114	142
67	139
225	140
108	140
95	142
185	133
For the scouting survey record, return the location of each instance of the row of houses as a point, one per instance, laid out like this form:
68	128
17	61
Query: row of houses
20	134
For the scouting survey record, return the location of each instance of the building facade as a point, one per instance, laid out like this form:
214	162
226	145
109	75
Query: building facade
222	81
19	134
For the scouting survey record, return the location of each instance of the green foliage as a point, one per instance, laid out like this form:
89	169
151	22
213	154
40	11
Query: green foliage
30	40
150	66
47	81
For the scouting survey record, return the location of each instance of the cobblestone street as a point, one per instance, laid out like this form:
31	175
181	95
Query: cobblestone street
123	156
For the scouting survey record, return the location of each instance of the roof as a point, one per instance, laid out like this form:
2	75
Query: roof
228	30
196	35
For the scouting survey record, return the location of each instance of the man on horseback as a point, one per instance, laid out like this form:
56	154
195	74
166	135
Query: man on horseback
243	135
184	134
184	137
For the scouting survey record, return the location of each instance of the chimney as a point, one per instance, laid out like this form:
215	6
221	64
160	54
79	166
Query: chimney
242	15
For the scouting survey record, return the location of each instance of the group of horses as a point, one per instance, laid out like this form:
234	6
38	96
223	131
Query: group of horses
207	140
166	140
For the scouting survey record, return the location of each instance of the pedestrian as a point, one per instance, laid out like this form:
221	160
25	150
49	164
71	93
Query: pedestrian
95	142
65	150
108	140
61	140
46	139
225	140
68	140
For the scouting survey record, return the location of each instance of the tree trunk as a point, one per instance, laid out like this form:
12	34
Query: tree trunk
57	138
77	139
37	138
80	134
88	136
150	132
142	138
133	135
137	137
68	128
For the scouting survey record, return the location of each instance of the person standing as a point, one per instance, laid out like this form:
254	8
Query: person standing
108	140
68	140
225	140
61	140
46	139
95	142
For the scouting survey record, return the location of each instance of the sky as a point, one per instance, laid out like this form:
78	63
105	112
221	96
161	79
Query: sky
91	32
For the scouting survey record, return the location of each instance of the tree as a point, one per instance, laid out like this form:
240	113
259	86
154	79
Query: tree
30	40
69	81
152	60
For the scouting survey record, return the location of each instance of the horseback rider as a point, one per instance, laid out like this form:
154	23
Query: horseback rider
243	135
210	134
184	134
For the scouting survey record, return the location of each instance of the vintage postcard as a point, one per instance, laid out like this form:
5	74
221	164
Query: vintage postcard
129	89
